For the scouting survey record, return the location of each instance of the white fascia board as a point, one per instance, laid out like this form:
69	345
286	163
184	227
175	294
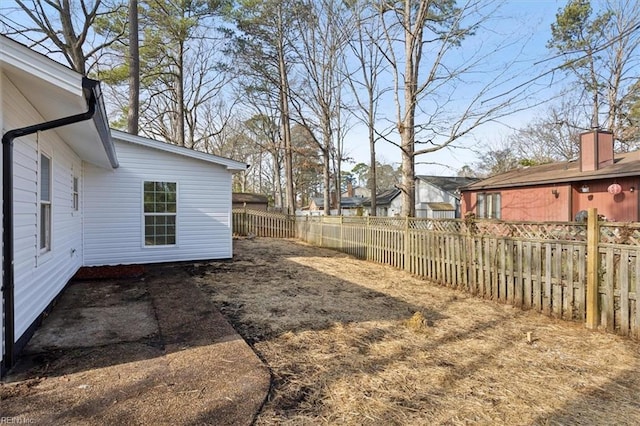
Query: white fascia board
232	165
17	57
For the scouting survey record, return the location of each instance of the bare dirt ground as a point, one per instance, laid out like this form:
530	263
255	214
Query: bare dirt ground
352	342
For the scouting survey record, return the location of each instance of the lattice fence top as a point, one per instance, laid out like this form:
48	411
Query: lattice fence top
620	233
391	222
610	233
437	225
262	213
555	231
355	220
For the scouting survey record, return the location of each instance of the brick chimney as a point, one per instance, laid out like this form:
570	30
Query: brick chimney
349	189
596	150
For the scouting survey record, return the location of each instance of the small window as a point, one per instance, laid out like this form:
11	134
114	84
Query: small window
76	195
45	204
488	205
160	211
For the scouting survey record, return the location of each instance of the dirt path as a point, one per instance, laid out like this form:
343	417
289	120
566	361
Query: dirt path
352	342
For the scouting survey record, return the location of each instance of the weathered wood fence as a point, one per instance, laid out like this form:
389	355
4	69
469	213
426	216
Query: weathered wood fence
541	266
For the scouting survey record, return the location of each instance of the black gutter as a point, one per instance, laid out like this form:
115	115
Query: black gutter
91	92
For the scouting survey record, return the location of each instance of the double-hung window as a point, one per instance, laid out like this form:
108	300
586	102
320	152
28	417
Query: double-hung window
76	194
160	211
488	206
45	204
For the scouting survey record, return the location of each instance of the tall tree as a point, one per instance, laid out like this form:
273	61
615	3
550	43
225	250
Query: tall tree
266	134
178	51
601	51
630	117
261	50
309	165
133	114
434	105
323	38
64	27
364	79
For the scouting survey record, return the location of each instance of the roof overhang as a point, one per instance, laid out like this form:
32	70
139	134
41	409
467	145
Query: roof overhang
56	91
232	165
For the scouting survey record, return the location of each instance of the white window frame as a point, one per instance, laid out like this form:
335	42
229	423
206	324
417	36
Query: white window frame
45	208
489	205
146	215
75	193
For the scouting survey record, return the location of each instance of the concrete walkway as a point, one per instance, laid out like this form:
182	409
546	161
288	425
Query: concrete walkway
151	350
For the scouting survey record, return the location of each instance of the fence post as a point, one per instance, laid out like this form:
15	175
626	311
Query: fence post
593	257
341	232
406	262
367	239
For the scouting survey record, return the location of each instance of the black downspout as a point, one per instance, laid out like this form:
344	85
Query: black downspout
88	85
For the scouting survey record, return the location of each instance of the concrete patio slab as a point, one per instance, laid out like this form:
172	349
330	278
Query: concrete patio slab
136	351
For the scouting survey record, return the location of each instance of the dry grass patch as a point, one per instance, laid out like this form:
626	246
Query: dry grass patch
352	342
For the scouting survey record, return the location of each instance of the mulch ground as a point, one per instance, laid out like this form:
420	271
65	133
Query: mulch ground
352	342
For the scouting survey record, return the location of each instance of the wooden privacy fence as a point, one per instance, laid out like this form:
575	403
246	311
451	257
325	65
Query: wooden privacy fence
541	266
263	224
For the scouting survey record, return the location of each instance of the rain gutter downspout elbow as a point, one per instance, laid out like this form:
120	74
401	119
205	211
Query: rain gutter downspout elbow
8	280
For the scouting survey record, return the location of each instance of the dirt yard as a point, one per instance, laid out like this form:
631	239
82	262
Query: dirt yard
352	342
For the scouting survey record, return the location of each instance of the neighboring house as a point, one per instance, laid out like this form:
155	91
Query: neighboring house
559	191
356	191
349	206
250	201
388	203
438	197
76	194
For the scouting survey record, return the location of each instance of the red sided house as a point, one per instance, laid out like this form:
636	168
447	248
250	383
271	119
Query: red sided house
559	191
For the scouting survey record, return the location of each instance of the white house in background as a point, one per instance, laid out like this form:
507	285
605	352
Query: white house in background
76	194
388	203
438	197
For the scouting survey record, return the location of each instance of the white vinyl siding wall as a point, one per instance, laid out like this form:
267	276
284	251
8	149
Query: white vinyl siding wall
113	208
428	193
39	279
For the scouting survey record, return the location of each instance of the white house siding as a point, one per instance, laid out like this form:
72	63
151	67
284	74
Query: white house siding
393	209
427	193
40	278
113	209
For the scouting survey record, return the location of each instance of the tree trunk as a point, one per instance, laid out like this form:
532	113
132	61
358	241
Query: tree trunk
73	44
277	169
134	70
180	96
412	43
286	128
326	179
373	184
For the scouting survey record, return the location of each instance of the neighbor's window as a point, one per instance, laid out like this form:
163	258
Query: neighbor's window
160	202
45	203
488	205
76	195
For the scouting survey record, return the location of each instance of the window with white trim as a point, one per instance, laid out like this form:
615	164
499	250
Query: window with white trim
160	212
76	194
488	205
45	204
